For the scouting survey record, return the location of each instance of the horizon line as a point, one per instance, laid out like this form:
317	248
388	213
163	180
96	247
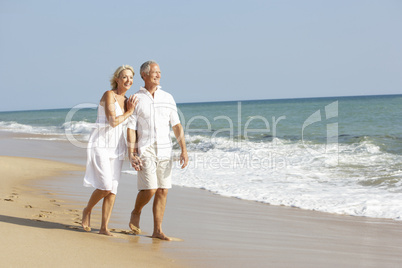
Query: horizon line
227	101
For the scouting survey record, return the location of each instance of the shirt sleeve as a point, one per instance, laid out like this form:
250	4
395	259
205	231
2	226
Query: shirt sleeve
174	116
132	121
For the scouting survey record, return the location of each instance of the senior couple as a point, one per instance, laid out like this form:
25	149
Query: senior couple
147	116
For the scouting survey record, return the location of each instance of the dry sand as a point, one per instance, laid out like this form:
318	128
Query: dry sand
37	230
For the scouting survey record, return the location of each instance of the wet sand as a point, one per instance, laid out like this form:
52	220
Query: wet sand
41	220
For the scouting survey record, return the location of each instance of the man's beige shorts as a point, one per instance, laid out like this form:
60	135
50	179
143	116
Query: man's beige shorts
155	173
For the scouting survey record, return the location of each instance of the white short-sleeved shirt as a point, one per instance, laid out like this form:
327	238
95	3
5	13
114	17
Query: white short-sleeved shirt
152	119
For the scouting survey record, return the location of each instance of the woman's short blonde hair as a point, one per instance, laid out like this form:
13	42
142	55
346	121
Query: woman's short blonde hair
117	73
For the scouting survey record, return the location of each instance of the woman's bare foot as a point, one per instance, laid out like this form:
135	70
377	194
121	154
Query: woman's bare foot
105	232
135	223
86	220
161	236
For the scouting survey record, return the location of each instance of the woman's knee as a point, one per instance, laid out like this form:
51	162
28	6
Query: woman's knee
105	192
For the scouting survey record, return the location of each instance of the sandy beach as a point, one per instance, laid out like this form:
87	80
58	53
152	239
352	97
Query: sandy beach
37	230
40	224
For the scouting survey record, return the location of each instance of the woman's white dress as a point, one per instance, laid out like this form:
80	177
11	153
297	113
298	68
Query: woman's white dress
105	152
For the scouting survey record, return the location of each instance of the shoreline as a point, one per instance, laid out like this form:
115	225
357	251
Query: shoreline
214	231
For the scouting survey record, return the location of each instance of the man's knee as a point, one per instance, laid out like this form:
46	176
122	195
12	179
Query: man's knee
162	192
149	192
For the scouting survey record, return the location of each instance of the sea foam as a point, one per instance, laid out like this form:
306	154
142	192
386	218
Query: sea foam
284	172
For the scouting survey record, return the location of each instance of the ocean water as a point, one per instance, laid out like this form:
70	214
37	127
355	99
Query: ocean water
339	155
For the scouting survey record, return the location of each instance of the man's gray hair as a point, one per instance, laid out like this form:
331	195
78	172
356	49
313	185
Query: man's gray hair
146	67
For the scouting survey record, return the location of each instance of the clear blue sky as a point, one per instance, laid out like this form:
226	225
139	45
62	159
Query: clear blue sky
57	54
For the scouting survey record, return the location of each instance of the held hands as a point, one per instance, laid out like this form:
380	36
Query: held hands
136	162
131	103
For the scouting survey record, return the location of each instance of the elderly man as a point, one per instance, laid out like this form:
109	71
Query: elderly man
150	146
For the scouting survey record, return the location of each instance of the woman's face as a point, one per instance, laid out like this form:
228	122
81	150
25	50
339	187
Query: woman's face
125	80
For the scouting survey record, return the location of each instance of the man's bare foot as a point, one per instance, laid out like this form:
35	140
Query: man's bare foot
161	236
105	232
86	219
135	223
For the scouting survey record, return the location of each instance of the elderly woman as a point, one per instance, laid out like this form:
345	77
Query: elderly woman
107	146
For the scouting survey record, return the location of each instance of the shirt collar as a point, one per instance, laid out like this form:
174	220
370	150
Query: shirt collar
144	89
146	92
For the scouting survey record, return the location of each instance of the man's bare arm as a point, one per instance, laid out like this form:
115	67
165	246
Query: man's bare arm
179	133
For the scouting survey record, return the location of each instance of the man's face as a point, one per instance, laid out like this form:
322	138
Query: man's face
154	76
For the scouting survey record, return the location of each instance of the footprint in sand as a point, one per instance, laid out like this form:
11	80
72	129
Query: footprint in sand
28	206
72	227
54	202
48	212
9	200
14	195
120	231
44	214
175	239
79	222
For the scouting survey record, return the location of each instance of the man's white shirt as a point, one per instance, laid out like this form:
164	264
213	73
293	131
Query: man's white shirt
152	119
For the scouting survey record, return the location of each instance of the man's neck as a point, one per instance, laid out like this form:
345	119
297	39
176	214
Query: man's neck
151	89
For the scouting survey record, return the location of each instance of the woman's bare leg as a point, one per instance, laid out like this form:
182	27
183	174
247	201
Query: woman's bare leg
107	207
96	196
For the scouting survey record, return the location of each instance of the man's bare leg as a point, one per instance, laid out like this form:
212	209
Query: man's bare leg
159	211
143	197
107	207
96	196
